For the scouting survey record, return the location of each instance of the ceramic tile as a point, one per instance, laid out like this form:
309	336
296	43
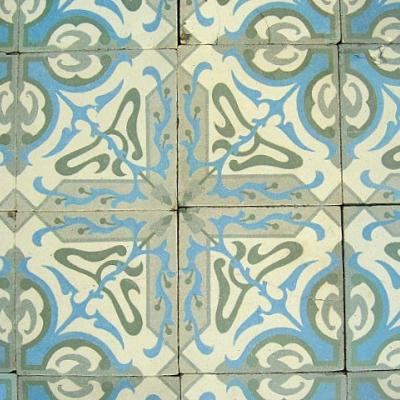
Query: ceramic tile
97	131
97	24
374	385
8	91
372	238
7	297
260	290
258	125
8	386
96	293
8	25
370	123
271	387
103	388
374	21
259	21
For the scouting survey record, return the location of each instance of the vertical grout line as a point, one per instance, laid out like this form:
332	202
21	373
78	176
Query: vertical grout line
344	292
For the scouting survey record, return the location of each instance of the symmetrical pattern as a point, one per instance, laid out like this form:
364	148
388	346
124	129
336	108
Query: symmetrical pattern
97	24
260	290
374	386
260	387
259	21
8	387
104	388
373	21
209	221
96	293
97	130
370	123
259	126
372	245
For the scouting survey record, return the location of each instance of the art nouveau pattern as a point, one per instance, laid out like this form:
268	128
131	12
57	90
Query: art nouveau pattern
7	287
376	21
54	25
104	388
370	99
96	293
97	130
260	387
372	243
259	21
260	290
8	386
259	126
8	83
374	386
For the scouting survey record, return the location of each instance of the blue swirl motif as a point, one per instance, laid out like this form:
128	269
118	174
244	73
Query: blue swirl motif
82	113
56	335
381	85
276	107
386	327
216	244
320	22
57	15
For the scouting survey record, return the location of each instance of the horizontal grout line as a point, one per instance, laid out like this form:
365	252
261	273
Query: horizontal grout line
241	373
42	51
188	207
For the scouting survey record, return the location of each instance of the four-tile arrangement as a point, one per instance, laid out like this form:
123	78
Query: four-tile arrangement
203	207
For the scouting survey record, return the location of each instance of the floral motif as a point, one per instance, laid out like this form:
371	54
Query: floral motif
372	261
376	21
259	21
260	290
259	126
371	123
96	293
97	24
72	154
259	387
103	388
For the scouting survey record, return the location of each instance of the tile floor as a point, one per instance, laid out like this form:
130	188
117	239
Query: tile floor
200	199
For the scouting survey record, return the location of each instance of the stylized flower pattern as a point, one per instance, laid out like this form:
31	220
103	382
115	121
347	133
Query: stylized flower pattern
259	21
260	290
96	293
259	126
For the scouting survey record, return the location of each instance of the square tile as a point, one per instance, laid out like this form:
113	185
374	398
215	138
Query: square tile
8	90
9	25
260	290
99	388
270	387
7	289
97	131
370	109
374	385
97	24
8	386
259	21
372	248
258	125
375	21
96	293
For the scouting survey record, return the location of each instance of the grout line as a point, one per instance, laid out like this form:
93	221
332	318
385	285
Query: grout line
240	373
